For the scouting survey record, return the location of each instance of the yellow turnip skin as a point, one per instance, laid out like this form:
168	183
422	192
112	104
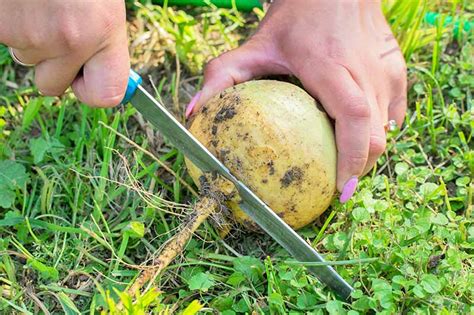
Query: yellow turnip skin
272	136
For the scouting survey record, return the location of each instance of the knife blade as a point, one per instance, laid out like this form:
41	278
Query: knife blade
251	204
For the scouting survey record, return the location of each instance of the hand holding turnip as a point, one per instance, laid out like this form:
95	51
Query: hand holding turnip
345	55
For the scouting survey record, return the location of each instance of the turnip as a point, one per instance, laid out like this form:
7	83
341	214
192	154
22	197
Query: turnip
275	139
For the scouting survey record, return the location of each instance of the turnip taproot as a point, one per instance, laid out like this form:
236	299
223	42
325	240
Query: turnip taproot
275	139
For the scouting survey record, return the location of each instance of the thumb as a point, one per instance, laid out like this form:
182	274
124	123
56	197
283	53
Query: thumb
255	58
104	77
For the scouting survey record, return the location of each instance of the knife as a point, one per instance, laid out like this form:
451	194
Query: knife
251	204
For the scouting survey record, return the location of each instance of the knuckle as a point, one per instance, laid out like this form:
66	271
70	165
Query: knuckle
70	35
110	23
356	106
399	102
71	29
216	69
356	159
377	145
212	66
34	40
396	70
72	41
356	162
335	50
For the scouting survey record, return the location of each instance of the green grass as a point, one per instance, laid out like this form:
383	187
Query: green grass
81	206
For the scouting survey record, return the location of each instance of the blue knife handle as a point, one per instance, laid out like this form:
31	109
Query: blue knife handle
134	80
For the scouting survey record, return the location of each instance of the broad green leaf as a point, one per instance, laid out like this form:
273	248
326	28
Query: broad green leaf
463	181
423	224
357	294
440	219
7	198
222	303
430	283
46	272
386	299
241	306
189	272
12	218
418	291
235	279
12	175
201	281
340	239
184	293
250	267
455	92
383	292
429	190
361	214
38	148
401	168
288	274
334	307
363	304
306	300
470	230
400	280
299	282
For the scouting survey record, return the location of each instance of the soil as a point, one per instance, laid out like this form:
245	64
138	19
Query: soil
222	155
225	113
228	111
214	142
293	176
214	130
271	167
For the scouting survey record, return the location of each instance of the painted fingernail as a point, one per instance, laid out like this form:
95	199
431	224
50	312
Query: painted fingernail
349	189
192	104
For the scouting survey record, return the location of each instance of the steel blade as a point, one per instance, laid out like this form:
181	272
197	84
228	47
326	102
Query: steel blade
251	204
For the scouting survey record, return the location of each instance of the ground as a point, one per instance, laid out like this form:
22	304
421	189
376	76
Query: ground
85	200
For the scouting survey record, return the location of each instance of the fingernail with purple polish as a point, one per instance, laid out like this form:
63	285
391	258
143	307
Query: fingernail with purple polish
349	189
192	104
